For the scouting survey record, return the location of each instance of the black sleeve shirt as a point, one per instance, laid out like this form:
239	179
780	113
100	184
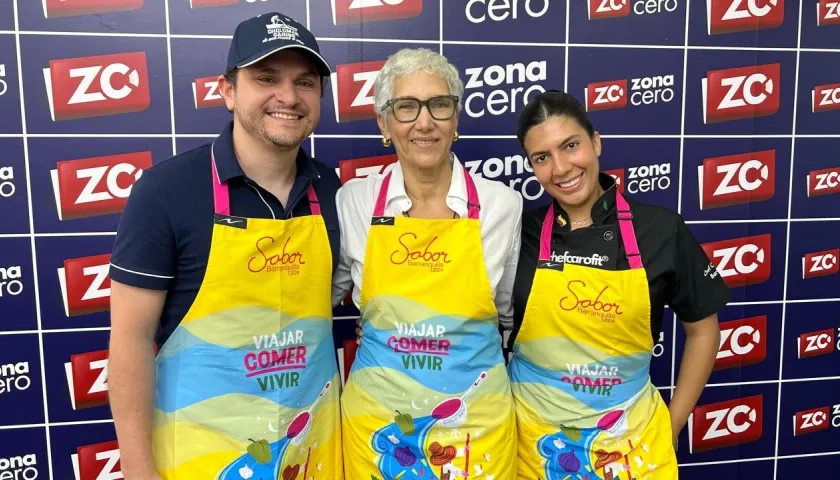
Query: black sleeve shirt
680	274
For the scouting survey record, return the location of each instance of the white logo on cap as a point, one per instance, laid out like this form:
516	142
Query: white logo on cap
279	30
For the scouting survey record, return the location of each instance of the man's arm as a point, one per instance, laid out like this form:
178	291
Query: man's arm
135	314
143	263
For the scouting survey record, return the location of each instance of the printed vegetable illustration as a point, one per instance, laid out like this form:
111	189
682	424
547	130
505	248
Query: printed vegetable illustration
573	434
245	472
404	422
260	450
405	456
569	462
290	473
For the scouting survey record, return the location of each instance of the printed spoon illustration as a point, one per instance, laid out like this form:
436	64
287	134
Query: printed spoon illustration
299	427
450	408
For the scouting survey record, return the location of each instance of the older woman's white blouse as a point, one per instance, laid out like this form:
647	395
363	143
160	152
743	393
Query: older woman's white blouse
500	216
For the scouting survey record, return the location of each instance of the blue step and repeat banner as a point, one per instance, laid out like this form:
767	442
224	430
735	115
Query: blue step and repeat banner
726	111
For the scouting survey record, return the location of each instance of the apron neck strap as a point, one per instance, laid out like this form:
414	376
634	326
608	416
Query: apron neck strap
473	205
625	224
221	195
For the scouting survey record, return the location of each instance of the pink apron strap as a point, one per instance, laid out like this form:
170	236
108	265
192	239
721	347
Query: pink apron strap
221	195
628	233
473	205
625	224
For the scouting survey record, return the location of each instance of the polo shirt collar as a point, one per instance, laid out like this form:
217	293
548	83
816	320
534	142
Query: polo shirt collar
457	186
228	166
603	209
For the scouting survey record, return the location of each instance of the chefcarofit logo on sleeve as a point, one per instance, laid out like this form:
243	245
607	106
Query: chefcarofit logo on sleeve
823	182
97	461
741	261
206	93
85	285
742	342
740	93
361	11
352	89
737	179
96	186
513	170
87	379
729	16
505	88
95	86
72	8
825	98
363	167
10	281
7	182
820	264
816	419
814	344
828	13
725	424
642	91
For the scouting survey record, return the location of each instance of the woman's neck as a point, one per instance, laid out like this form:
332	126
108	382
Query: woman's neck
427	185
581	214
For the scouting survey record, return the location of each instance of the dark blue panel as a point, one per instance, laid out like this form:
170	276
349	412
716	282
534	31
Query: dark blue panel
820	32
150	17
658	22
808	277
13	202
499	81
738	359
818	111
58	347
700	62
9	86
816	155
771	289
804	430
51	253
810	349
660	364
65	439
542	21
21	390
17	286
804	467
425	26
46	152
751	469
28	448
750	30
194	59
220	17
740	202
7	16
654	88
37	52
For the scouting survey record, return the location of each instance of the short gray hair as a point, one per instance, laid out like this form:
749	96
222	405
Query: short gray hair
413	60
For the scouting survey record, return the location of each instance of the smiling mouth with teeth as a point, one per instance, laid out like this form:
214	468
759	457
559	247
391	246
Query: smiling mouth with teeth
285	116
572	182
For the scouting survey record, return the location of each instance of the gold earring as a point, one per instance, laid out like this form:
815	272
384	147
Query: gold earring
386	142
455	137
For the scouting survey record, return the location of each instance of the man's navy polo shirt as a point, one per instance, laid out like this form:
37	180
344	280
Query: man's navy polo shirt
163	240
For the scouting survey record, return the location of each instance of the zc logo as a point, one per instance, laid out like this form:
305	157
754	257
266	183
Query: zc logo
828	13
813	344
725	424
96	186
85	285
352	88
87	379
825	98
744	15
817	419
742	343
741	261
72	8
360	11
606	95
100	461
600	9
95	86
737	179
363	167
820	264
206	93
740	93
823	182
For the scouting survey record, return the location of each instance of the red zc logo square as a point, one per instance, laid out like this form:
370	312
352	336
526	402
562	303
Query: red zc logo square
828	13
744	15
362	167
737	179
85	285
739	93
360	11
725	424
353	90
98	461
741	261
72	8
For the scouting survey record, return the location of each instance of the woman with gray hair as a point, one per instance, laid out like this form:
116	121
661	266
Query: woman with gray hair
430	252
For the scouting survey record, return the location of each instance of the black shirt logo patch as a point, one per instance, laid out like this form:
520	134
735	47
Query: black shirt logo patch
229	221
550	265
382	221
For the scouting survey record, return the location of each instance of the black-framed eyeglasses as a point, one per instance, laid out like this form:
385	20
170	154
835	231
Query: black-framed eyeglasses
407	109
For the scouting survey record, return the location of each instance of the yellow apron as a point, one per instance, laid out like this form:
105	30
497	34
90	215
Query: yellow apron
428	397
585	406
248	385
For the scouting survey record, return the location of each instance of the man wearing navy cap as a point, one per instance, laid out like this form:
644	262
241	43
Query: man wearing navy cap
223	262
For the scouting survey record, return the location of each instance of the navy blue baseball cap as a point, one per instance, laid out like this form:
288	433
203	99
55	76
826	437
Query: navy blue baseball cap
258	37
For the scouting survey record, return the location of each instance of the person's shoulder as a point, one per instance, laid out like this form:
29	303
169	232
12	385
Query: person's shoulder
174	174
356	196
655	215
328	177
